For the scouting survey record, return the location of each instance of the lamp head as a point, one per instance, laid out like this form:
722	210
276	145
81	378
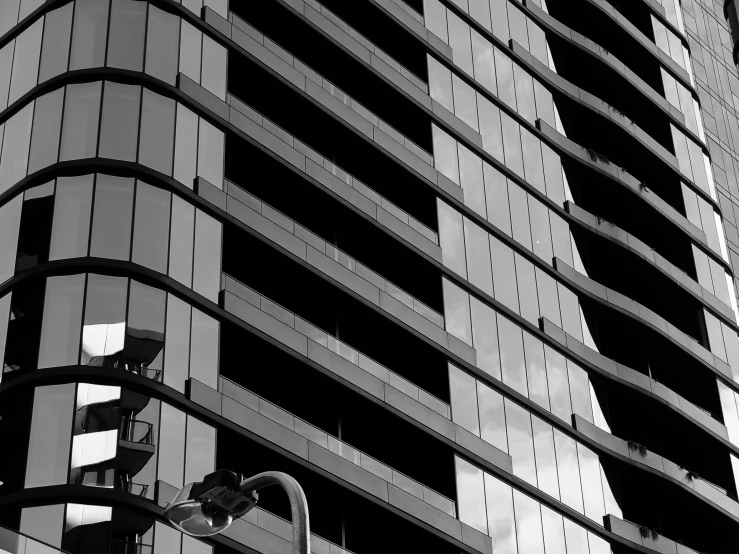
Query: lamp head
210	506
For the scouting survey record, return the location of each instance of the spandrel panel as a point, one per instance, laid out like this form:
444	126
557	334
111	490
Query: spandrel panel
156	143
26	61
72	209
162	45
119	125
14	162
50	439
62	322
55	47
89	34
471	495
127	35
151	227
485	337
463	393
80	127
111	221
47	126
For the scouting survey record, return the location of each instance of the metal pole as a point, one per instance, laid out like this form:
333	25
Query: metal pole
298	504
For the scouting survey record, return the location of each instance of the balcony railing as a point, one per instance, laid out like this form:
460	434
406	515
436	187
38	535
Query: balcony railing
12	542
315	435
129	547
134	430
247	294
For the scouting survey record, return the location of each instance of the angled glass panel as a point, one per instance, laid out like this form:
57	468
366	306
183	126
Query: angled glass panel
156	145
71	226
111	220
89	34
496	195
6	67
536	370
26	61
151	227
568	470
55	48
478	256
191	49
119	125
80	127
62	323
47	127
127	35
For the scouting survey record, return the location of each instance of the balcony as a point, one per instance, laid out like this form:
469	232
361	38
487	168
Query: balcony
135	445
231	286
315	435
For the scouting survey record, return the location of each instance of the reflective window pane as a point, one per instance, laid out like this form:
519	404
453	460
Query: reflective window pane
206	277
504	274
171	464
527	295
89	34
445	155
10	220
457	312
580	391
181	241
478	256
105	320
55	48
576	538
496	195
71	225
492	417
191	47
44	523
536	370
151	227
559	389
127	34
548	299
470	174
62	323
214	67
14	162
211	150
47	126
156	145
26	61
119	126
501	523
162	45
204	349
591	488
177	345
568	470
186	146
546	462
485	337
200	451
80	128
51	430
111	222
520	215
463	392
8	15
528	524
511	355
471	495
145	327
440	83
554	532
28	7
520	442
451	238
6	66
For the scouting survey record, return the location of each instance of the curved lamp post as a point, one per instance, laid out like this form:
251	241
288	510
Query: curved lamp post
209	507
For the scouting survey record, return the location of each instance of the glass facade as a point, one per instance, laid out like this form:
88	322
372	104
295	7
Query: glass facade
464	268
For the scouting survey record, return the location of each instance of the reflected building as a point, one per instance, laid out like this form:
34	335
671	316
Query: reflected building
464	268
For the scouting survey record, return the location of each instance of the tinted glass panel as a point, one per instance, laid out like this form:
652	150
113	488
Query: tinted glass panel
55	49
80	129
157	132
151	227
89	34
127	33
111	222
51	429
71	227
47	125
62	323
119	126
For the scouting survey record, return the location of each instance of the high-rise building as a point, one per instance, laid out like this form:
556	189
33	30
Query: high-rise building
463	268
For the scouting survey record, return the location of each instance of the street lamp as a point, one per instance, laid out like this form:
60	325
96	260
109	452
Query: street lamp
210	506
